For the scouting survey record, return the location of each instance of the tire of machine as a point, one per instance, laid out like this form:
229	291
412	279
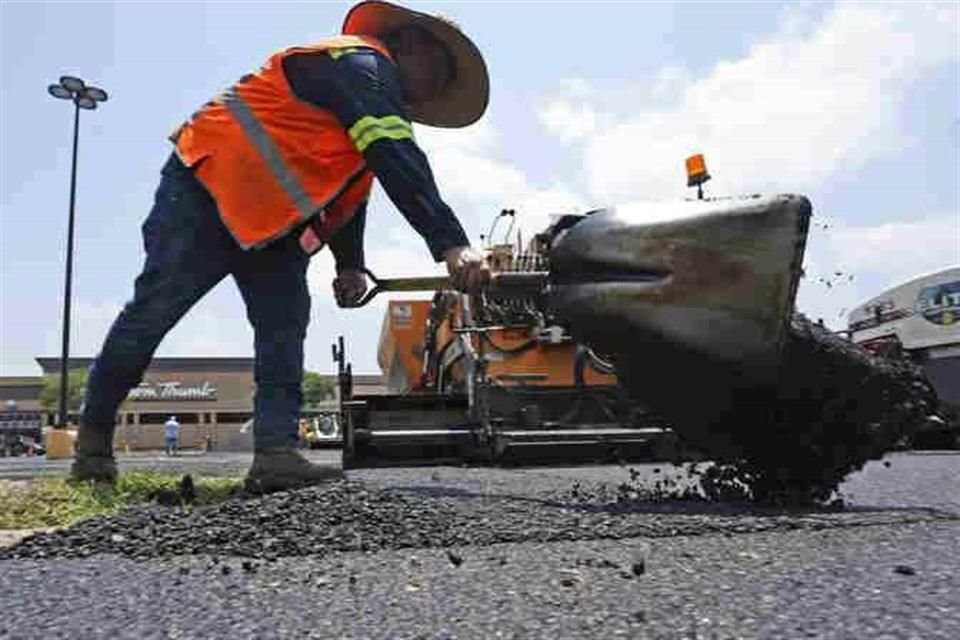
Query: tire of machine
830	408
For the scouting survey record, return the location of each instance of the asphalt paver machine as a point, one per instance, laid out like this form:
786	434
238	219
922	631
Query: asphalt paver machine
658	329
525	371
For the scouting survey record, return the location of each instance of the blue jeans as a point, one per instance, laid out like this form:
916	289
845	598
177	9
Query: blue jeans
189	251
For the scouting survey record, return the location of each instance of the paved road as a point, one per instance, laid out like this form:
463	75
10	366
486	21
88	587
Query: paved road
888	566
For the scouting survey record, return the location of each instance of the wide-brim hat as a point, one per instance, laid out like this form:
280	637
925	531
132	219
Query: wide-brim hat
465	98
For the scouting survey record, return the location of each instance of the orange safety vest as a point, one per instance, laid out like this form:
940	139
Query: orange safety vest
272	162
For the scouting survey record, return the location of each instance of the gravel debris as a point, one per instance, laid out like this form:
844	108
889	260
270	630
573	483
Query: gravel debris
455	559
351	516
570	578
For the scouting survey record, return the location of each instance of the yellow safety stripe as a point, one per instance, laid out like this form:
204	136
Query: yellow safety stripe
369	129
336	53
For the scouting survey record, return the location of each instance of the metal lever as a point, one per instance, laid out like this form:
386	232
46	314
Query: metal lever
504	284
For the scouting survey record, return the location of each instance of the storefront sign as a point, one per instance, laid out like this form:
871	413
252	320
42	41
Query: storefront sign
173	391
940	303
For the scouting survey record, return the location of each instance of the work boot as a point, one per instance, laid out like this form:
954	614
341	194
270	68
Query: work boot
93	456
284	468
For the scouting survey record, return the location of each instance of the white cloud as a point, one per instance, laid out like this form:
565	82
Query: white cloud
847	265
670	83
535	207
465	163
802	105
568	121
920	245
477	183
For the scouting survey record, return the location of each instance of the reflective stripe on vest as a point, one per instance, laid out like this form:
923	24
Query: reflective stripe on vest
369	129
336	53
270	154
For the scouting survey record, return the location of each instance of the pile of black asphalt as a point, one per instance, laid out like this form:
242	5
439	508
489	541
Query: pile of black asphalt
792	436
364	517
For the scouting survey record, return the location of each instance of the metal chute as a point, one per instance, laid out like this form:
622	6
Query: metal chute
716	276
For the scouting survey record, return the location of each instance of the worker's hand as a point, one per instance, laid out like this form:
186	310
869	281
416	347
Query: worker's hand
349	286
468	269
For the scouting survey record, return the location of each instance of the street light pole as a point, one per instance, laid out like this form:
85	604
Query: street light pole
83	97
68	285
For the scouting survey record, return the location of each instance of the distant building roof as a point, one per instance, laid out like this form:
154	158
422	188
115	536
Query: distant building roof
368	382
173	363
21	388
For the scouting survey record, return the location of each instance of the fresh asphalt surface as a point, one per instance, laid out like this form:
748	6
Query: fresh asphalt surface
887	566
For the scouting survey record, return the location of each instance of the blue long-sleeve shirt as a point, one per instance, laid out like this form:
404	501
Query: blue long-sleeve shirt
361	83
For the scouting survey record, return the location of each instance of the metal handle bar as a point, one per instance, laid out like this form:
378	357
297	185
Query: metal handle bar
504	284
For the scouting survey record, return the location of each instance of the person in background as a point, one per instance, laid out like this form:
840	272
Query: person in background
303	431
171	436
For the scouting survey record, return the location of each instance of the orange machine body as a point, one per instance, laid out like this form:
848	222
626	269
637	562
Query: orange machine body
403	337
400	353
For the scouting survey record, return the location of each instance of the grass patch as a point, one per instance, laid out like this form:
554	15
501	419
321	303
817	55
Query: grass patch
57	502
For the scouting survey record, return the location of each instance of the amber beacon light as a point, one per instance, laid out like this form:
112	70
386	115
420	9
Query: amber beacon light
697	173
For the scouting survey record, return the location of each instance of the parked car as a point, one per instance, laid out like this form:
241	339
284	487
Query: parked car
323	430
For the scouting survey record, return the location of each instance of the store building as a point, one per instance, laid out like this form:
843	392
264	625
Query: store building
211	397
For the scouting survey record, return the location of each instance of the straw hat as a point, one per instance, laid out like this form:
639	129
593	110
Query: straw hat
465	99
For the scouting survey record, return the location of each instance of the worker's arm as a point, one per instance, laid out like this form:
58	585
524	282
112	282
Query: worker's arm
347	243
365	84
347	248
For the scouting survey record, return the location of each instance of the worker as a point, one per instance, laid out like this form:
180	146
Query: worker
263	176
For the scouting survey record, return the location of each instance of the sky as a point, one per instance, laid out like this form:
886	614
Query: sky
856	106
